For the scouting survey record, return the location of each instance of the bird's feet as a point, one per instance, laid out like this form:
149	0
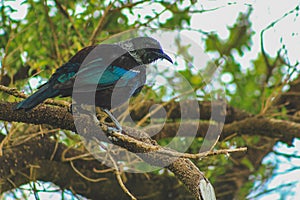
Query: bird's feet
114	120
114	129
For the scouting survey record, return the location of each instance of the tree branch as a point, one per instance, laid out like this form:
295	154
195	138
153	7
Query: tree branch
58	117
34	156
100	24
53	31
65	13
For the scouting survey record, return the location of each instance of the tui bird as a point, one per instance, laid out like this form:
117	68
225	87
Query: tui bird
111	72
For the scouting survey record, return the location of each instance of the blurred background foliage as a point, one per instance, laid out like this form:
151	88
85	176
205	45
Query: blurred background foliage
37	37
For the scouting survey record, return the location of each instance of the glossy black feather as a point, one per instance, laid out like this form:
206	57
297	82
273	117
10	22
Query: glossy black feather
111	72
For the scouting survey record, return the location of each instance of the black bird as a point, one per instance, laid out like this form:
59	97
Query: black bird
111	72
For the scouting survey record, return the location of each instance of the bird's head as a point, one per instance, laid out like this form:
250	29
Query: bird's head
145	50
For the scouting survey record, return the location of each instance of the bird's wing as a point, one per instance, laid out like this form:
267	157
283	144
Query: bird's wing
62	78
94	75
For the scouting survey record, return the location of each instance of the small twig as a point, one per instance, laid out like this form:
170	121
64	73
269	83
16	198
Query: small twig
213	153
32	171
102	170
4	141
217	140
54	34
127	5
100	24
55	148
209	10
14	92
81	156
7	138
277	92
85	177
11	182
11	38
203	154
22	139
144	119
66	14
153	18
119	178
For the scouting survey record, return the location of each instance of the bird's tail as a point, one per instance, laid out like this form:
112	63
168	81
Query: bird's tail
45	91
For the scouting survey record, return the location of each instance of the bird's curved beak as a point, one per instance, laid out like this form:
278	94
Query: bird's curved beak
165	56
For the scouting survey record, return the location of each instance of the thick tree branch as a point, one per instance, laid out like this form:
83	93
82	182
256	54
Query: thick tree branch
59	117
183	168
281	130
31	161
173	111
